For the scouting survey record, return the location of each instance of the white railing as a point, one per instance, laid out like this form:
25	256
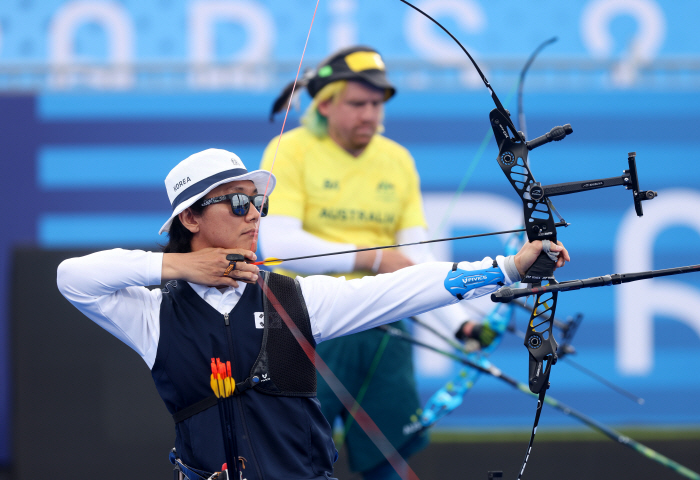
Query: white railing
546	74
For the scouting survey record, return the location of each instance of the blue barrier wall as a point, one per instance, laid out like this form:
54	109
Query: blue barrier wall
81	171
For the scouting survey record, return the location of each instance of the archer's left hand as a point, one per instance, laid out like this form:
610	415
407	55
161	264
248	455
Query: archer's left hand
531	250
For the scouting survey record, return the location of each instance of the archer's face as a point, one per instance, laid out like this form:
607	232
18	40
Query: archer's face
353	118
217	226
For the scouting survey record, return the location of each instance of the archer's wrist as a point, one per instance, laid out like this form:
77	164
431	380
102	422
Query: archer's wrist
171	266
509	268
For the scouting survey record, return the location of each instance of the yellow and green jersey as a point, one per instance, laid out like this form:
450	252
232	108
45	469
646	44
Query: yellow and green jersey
361	200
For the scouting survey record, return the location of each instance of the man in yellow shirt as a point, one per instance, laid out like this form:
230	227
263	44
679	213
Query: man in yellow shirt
342	185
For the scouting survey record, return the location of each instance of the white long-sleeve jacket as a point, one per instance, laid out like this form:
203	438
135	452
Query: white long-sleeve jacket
109	287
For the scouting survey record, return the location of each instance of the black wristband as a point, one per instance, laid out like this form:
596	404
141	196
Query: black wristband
459	334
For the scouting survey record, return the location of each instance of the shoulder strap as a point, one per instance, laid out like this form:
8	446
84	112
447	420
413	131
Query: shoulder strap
210	401
194	409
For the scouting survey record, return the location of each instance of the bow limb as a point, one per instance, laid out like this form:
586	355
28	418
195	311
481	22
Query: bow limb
521	82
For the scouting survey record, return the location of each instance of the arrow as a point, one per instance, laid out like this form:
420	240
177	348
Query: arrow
271	261
223	386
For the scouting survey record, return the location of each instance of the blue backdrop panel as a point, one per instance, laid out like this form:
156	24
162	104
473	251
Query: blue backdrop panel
85	172
85	169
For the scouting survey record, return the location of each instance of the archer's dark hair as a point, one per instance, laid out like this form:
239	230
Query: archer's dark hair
179	238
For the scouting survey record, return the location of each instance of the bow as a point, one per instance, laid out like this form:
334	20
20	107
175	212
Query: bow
521	82
538	213
499	319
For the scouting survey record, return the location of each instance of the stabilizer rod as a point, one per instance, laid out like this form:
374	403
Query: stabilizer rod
507	294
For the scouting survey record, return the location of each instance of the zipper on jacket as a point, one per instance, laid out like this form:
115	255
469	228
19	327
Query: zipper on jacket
230	340
238	400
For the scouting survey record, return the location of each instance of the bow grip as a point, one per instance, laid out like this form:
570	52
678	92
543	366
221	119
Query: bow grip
540	271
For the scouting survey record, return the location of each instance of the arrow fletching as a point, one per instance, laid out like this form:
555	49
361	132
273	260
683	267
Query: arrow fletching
214	380
269	261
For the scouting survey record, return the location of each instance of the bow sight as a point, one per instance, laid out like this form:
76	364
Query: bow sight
628	179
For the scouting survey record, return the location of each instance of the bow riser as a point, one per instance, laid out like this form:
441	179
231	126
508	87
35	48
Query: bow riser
539	225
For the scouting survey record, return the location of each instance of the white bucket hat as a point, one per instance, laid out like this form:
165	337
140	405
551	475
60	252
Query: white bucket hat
198	174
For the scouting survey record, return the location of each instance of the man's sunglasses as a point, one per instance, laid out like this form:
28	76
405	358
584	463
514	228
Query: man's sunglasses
240	203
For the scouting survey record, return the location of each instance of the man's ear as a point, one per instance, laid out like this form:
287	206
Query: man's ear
189	220
324	106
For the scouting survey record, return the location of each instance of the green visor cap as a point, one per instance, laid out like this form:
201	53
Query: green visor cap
354	63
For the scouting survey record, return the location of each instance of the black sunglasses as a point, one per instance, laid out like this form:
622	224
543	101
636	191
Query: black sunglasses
240	203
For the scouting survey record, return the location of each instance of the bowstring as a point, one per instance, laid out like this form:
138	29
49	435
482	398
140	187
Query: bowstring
284	122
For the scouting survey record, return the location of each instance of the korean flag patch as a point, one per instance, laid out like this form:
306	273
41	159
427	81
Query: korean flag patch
259	319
